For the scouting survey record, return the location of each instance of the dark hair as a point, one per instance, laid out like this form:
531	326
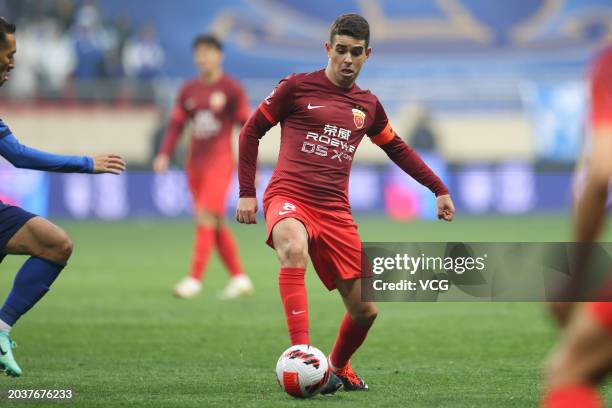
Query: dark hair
5	28
352	25
207	39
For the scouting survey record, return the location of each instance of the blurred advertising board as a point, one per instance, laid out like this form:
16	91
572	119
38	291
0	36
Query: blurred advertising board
508	188
27	189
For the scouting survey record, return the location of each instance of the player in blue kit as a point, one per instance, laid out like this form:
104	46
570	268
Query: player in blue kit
23	233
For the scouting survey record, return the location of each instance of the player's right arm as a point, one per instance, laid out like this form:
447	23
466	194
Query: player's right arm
178	117
590	216
277	106
22	156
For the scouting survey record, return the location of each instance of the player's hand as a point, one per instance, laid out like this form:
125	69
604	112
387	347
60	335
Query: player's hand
446	209
246	211
161	163
108	163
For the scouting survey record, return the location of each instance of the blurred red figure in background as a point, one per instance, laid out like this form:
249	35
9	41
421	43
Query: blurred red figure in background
214	103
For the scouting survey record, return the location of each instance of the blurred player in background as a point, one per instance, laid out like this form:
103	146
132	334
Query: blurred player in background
324	116
23	233
583	356
213	103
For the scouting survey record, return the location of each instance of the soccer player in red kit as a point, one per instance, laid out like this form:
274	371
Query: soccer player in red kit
324	116
213	103
583	356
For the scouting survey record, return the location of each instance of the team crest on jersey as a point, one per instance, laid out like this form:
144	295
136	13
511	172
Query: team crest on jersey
358	118
217	101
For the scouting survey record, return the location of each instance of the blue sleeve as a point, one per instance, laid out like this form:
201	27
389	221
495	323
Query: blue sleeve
27	158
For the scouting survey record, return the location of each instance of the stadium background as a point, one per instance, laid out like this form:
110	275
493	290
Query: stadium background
492	94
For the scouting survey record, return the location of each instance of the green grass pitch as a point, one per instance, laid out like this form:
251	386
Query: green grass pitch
110	330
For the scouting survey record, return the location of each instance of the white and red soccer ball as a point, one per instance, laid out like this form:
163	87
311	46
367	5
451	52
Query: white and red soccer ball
302	371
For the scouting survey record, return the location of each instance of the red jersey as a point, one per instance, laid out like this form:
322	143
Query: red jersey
213	110
601	89
321	127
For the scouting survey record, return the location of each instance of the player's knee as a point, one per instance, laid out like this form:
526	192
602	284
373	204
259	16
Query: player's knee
293	253
54	245
207	219
365	315
63	249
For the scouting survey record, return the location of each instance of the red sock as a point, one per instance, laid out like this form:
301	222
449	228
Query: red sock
295	303
350	337
228	251
204	242
572	396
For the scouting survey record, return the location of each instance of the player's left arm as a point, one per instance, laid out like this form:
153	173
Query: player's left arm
382	134
22	156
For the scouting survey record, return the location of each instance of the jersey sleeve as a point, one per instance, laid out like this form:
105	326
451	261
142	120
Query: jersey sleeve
179	113
280	103
277	106
380	132
178	116
601	91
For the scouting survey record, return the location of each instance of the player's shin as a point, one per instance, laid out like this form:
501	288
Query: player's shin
203	245
295	304
228	250
31	283
350	337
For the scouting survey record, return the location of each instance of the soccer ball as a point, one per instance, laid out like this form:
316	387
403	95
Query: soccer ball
302	371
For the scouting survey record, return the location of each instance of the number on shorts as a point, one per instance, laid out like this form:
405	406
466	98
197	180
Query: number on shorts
287	208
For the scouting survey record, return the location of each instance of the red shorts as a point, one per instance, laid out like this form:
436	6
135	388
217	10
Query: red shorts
209	184
602	312
333	242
